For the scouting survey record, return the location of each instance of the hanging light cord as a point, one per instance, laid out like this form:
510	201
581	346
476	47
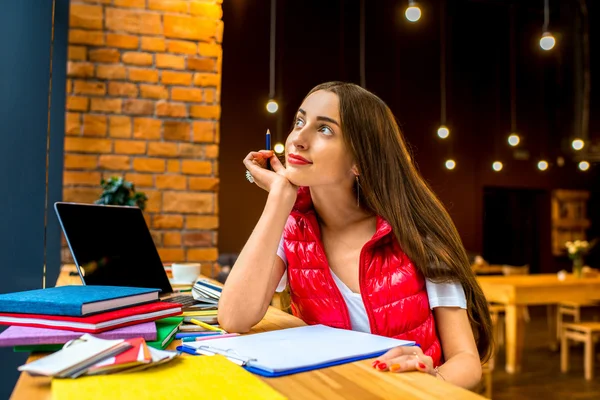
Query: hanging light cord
272	53
443	63
513	73
362	44
546	15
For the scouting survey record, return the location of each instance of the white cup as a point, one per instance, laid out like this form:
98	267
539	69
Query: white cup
185	272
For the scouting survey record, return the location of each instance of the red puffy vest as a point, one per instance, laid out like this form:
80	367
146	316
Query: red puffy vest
392	289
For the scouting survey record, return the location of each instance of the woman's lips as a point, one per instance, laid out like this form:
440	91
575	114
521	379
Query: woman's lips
297	160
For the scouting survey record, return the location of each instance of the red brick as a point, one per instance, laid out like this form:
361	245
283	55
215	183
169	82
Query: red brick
188	150
122	41
85	16
80	69
172	239
76	103
201	222
87	145
138	107
186	94
203	131
182	47
69	86
137	58
162	149
170	61
131	3
171	255
153	44
175	130
197	239
114	72
166	221
77	161
201	79
105	55
98	1
173	166
92	38
130	147
141	180
147	128
115	163
154	92
94	125
219	34
210	50
178	6
184	27
210	254
154	203
81	178
88	87
205	112
106	105
211	151
177	182
201	64
176	78
122	89
139	22
192	167
204	184
188	203
149	165
209	96
119	126
72	123
175	110
77	53
81	195
206	10
143	75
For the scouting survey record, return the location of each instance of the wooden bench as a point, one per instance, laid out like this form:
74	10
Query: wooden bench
572	308
586	332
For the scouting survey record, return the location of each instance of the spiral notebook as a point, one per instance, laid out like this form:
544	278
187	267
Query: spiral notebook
289	351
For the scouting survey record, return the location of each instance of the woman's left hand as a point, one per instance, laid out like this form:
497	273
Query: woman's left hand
403	359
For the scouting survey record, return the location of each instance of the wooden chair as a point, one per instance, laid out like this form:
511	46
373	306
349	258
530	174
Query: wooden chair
497	315
573	309
586	332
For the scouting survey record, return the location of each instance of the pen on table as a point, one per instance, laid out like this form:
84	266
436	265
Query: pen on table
268	146
196	334
208	337
206	326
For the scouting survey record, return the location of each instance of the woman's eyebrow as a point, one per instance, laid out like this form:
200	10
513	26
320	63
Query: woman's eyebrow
321	118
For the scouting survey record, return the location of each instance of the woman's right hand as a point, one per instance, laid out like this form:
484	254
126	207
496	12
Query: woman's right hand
276	180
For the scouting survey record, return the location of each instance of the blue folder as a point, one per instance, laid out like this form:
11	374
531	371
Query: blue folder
294	350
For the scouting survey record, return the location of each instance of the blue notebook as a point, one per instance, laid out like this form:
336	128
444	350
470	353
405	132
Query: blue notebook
289	351
75	301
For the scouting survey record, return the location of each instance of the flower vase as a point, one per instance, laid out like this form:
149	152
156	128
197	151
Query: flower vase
578	267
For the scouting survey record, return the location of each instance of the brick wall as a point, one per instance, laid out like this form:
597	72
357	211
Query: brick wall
143	102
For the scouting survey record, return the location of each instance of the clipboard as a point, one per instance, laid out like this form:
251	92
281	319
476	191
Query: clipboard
295	350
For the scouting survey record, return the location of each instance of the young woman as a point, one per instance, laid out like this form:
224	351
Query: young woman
361	240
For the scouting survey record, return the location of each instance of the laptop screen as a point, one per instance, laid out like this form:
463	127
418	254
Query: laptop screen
112	246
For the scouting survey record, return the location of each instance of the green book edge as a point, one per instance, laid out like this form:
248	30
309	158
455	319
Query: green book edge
166	329
37	347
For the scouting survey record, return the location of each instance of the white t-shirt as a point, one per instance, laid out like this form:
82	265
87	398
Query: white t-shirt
439	294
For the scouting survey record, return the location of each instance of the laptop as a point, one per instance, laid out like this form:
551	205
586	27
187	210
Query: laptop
112	245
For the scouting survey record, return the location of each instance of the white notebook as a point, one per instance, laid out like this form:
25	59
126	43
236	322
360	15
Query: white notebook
293	350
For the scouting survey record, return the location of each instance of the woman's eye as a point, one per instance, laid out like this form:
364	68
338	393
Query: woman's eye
326	130
299	122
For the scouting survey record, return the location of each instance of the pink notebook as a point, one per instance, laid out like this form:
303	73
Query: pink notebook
23	335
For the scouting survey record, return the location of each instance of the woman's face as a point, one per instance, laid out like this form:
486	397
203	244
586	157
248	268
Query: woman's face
315	150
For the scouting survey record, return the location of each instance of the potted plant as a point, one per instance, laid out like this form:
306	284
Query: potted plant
577	250
118	191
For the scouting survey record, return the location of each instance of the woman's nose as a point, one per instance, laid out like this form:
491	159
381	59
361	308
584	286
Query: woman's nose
300	141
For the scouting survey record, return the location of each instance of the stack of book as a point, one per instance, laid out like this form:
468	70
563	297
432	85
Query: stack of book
206	292
90	355
46	319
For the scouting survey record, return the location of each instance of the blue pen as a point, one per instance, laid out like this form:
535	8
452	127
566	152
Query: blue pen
268	139
195	335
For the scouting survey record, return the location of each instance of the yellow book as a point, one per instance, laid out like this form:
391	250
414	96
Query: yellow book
184	378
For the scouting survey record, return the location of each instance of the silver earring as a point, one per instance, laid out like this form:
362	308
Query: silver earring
357	192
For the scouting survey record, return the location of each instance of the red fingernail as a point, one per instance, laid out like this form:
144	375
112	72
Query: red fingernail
422	366
375	363
382	366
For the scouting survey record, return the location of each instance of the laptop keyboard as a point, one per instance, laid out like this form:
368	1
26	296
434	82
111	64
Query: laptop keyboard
182	299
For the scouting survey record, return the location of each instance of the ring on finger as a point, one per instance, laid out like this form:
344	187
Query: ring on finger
249	177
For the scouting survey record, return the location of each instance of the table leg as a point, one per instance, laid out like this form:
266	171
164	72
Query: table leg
553	338
515	335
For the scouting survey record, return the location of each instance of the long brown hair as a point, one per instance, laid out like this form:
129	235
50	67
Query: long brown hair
391	186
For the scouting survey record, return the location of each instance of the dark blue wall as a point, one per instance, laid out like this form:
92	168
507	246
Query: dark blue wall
26	200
